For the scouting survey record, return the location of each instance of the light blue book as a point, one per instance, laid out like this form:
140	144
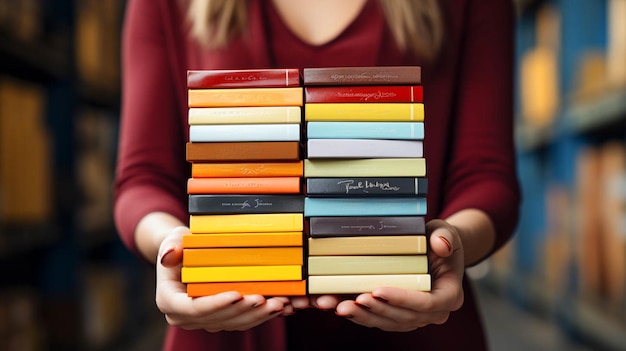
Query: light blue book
385	206
366	130
244	132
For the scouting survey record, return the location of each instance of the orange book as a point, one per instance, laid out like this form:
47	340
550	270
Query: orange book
242	239
243	256
239	97
247	169
271	288
249	185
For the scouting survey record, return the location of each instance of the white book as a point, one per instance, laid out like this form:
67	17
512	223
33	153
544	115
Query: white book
363	148
244	132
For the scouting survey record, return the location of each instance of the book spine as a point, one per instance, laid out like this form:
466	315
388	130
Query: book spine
242	239
376	167
250	185
245	115
249	169
244	132
357	284
391	75
238	151
240	273
243	256
269	78
344	112
366	226
366	130
360	186
246	223
364	93
368	245
218	204
245	97
269	288
379	264
363	148
374	206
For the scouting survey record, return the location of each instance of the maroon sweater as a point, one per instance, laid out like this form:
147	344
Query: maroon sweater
468	94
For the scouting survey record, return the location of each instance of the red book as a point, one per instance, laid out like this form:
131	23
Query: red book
247	78
364	93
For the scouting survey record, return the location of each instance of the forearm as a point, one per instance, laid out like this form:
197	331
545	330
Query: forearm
151	230
477	233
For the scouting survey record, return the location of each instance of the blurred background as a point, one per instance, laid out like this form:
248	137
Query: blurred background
69	284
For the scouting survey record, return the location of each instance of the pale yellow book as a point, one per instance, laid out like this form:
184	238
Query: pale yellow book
364	112
368	264
246	223
356	284
372	167
368	245
240	273
245	115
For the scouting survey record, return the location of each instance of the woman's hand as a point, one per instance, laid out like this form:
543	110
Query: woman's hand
228	311
393	309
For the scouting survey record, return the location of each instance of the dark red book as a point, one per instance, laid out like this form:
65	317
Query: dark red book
364	93
383	75
247	78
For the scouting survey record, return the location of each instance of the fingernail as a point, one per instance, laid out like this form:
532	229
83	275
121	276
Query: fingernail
346	316
169	251
445	241
235	301
381	299
275	311
257	304
365	307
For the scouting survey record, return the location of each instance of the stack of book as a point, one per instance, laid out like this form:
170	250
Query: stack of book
366	185
245	196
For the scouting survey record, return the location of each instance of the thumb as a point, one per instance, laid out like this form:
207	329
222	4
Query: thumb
444	238
171	249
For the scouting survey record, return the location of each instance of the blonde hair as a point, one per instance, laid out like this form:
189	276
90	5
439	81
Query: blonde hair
416	25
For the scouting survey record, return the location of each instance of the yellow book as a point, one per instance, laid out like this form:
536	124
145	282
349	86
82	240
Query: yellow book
364	112
240	97
243	256
357	284
240	273
368	245
348	265
245	115
246	223
242	239
373	167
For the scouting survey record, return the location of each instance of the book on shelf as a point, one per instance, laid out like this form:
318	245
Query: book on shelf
364	93
244	132
243	151
364	148
373	167
345	112
246	185
246	223
370	206
244	115
368	245
238	97
367	264
380	75
365	226
365	130
268	239
241	273
236	203
247	169
243	78
364	186
267	288
357	284
243	256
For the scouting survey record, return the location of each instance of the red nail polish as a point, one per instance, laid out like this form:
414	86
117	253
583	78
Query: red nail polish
445	241
169	251
365	307
276	311
235	301
381	299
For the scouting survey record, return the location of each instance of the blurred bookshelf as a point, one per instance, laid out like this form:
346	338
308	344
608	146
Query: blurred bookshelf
567	262
68	282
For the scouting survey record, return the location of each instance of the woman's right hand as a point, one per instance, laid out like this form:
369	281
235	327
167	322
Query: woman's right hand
228	311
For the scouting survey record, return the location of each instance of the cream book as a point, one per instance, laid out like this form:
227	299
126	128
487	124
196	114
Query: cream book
357	284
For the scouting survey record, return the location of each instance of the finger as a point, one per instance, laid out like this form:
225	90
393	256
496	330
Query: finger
171	250
326	302
300	302
443	241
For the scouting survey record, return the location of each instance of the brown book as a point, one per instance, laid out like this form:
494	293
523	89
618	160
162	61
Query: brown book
384	75
243	151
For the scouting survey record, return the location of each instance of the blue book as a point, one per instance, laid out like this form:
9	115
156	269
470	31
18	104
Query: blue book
366	130
383	206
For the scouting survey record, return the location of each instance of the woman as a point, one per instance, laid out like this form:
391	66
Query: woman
465	50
